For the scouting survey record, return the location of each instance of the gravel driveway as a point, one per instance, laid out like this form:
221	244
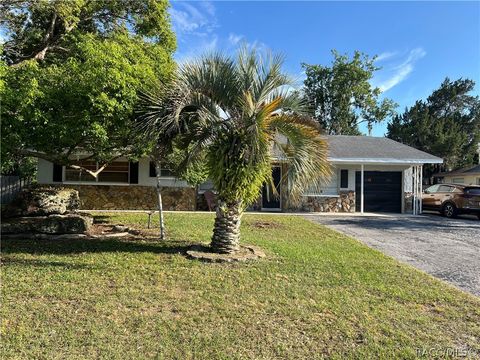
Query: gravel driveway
448	249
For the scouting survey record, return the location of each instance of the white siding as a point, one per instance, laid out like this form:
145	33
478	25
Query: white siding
332	187
467	179
44	172
145	179
324	188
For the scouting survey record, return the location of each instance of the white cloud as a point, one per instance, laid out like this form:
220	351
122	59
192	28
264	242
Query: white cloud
393	75
202	46
208	7
193	18
234	39
385	55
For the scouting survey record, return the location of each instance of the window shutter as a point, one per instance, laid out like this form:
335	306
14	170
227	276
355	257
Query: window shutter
153	172
134	172
343	179
57	173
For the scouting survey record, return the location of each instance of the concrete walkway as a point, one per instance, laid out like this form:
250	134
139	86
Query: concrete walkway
448	249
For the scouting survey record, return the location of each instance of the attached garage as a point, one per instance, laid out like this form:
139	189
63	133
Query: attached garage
382	191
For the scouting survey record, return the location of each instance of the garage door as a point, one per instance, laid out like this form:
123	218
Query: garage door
382	191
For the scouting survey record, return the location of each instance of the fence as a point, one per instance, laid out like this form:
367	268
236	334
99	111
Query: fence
10	186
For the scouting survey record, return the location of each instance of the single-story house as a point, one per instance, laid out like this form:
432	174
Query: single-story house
371	174
465	176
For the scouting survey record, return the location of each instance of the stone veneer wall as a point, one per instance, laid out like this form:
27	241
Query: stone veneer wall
408	202
133	197
345	202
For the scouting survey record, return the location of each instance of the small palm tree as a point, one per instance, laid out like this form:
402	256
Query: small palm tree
234	112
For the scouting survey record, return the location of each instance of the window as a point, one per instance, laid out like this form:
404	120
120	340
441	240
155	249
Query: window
343	179
432	189
117	172
478	181
72	174
164	171
472	191
458	180
445	188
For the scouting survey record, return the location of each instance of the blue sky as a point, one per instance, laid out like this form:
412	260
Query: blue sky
418	43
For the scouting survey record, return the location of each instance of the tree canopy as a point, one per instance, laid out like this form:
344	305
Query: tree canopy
71	72
447	124
341	94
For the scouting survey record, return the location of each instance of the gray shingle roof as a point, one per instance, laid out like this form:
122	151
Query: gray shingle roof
465	171
375	149
475	169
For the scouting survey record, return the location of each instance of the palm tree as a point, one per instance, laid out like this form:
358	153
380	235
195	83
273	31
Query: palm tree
233	112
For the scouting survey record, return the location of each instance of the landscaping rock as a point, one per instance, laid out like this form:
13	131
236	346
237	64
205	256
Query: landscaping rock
53	224
120	228
42	201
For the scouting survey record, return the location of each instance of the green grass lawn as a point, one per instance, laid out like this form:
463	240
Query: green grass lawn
318	294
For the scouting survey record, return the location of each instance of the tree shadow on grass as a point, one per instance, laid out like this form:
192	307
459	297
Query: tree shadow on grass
89	245
39	263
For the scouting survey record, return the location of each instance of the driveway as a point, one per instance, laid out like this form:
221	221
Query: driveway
448	249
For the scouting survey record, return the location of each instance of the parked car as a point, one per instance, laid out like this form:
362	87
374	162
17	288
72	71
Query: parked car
452	199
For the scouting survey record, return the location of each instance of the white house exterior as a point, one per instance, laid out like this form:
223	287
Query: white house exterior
391	174
467	176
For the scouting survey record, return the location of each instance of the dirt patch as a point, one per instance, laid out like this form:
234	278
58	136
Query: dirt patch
204	253
101	229
266	225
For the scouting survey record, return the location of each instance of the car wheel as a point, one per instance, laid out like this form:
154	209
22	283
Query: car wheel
449	210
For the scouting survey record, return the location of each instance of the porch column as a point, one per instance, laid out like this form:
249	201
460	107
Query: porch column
414	188
421	189
361	188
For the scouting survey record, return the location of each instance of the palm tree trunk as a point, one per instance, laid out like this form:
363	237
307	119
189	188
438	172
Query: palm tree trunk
226	230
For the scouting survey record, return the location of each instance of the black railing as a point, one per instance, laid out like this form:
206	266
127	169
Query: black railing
10	186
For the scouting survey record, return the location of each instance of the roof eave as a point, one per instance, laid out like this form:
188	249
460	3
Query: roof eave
385	161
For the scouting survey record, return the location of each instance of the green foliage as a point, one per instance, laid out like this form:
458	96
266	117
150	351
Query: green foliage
341	94
447	124
71	72
194	172
233	175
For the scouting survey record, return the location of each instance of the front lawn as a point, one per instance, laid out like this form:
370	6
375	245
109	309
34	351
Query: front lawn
318	294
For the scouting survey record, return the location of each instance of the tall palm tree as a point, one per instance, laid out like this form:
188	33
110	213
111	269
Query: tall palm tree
233	111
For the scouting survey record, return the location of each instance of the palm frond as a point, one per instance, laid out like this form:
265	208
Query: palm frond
306	153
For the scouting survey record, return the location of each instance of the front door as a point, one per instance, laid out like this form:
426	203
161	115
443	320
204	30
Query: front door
270	200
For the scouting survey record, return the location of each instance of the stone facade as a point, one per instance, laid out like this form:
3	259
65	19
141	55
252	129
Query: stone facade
133	197
408	202
345	202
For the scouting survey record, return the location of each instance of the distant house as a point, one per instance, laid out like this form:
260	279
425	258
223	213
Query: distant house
371	174
466	176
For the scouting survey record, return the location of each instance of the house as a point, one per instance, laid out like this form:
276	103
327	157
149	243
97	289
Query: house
466	176
370	174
